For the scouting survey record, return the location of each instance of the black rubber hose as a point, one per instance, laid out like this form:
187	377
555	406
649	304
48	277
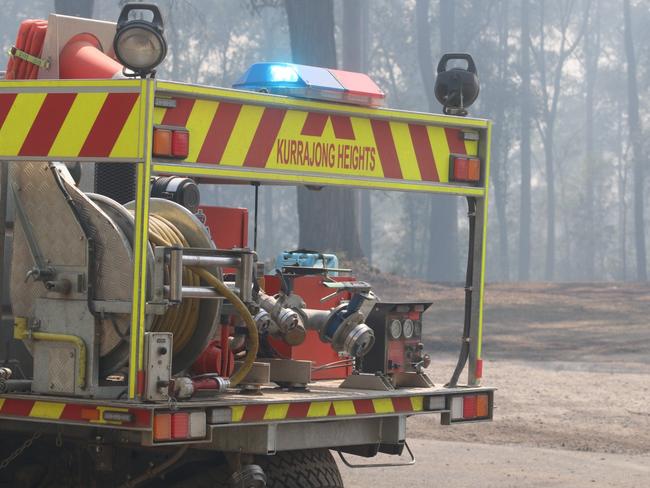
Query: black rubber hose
464	349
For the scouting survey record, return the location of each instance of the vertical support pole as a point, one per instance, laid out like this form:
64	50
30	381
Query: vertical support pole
475	369
140	243
4	177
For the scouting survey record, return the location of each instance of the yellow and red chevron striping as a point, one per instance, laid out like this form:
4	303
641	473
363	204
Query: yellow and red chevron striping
71	412
71	124
322	409
234	134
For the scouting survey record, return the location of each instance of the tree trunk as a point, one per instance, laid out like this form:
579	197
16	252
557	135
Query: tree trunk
327	218
549	269
637	147
355	54
525	216
443	219
76	8
592	51
499	165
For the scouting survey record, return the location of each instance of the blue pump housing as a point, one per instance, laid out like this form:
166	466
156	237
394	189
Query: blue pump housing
307	259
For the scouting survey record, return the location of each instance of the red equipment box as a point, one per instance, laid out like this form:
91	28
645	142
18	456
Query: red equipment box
228	226
311	289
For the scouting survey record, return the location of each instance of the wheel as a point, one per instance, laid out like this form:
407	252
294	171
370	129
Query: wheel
313	468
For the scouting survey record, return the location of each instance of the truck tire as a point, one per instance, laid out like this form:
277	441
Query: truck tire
313	468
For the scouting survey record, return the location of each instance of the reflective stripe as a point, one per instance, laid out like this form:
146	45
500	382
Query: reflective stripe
319	409
337	143
276	411
383	405
344	407
47	410
57	120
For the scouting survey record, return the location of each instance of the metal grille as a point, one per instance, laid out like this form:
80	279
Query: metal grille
116	181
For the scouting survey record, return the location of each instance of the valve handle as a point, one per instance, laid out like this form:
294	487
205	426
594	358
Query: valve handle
442	65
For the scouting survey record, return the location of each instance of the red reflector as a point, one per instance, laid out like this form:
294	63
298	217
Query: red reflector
180	144
180	425
90	414
461	168
479	368
469	407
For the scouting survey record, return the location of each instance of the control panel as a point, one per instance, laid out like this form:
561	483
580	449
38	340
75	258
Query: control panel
398	339
158	364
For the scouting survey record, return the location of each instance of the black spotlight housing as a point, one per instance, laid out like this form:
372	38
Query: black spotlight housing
456	88
183	191
140	44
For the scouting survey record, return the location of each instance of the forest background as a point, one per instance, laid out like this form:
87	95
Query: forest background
565	82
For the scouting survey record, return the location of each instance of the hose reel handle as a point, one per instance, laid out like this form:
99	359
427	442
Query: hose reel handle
150	7
442	65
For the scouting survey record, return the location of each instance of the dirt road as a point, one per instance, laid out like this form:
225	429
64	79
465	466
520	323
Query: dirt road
463	464
573	408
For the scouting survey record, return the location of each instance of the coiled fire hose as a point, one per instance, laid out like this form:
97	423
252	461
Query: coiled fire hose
182	320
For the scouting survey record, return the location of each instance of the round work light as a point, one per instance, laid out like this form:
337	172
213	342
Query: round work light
140	44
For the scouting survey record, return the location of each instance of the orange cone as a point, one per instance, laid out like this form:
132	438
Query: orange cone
82	58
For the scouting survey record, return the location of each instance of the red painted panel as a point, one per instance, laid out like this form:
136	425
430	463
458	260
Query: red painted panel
402	404
6	101
423	152
455	141
298	410
342	127
228	226
364	406
13	406
253	413
386	148
219	133
314	124
178	116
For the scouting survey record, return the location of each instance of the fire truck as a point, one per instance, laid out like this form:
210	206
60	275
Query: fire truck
143	341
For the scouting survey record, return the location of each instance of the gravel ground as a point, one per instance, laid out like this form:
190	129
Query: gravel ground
570	362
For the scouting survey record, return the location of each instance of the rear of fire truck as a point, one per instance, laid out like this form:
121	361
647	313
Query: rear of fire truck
143	341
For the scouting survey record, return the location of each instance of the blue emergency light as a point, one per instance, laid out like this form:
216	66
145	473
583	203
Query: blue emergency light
296	80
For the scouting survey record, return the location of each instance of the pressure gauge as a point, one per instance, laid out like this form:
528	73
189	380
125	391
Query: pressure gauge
395	329
409	328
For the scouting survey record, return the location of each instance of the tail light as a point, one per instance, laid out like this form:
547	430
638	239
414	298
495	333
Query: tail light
162	142
162	427
464	169
171	142
467	408
180	143
178	426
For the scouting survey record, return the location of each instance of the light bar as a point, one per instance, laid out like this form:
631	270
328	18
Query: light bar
297	80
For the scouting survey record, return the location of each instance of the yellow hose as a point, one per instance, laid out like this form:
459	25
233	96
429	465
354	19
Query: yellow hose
182	320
